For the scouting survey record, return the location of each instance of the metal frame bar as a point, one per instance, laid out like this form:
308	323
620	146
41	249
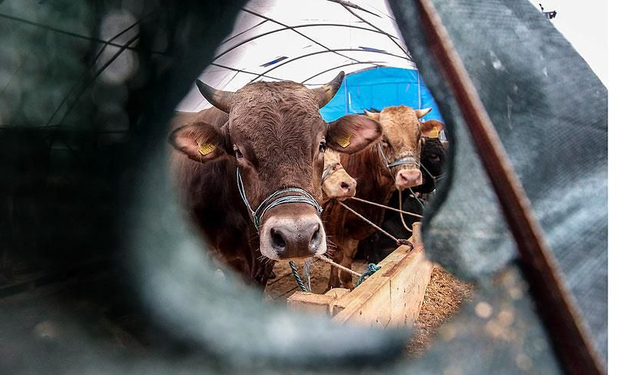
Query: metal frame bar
292	28
245	71
377	28
321	52
374	63
297	32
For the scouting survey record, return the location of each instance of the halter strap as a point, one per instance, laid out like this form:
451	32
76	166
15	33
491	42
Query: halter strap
406	159
328	172
278	197
434	178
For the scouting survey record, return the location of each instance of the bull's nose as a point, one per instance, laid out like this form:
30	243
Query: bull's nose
347	188
296	243
292	237
407	178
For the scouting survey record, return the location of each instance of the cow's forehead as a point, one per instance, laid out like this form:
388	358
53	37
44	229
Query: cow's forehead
284	91
265	118
275	115
399	123
274	101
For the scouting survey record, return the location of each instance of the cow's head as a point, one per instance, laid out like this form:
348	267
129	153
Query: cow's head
433	157
400	145
336	182
434	154
278	139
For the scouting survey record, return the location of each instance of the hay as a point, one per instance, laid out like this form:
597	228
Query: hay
443	298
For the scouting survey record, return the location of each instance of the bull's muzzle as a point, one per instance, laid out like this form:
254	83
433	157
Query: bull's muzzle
294	231
408	178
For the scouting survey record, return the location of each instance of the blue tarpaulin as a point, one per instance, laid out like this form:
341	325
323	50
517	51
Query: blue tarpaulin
379	88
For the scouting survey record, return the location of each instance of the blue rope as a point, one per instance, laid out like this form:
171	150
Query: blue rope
296	275
371	269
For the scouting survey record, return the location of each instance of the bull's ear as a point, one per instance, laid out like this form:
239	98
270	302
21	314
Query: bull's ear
431	128
352	133
200	141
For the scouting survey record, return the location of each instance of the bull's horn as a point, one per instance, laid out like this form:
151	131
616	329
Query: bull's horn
220	99
373	115
325	93
422	112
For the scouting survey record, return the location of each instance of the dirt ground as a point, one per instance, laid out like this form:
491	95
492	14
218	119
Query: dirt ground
442	299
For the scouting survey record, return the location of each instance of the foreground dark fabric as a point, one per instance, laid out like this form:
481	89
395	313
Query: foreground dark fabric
99	271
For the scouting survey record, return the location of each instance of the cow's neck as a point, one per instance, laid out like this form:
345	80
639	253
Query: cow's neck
375	182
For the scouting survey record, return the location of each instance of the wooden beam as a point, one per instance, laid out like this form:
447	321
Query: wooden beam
316	303
310	303
408	282
393	295
368	305
390	297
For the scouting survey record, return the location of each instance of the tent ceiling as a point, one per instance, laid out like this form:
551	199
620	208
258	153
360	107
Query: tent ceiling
306	42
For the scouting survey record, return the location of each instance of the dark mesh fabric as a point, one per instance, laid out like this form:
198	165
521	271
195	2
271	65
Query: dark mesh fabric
100	273
550	111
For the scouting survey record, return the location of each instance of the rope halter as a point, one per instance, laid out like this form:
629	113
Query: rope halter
327	172
407	159
402	160
280	196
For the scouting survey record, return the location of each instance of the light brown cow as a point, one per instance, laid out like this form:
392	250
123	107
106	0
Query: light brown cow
390	164
336	182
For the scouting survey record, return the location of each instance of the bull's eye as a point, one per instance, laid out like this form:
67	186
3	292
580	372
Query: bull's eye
385	143
323	146
435	157
237	152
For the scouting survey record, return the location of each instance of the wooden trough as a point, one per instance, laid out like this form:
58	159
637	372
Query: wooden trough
391	297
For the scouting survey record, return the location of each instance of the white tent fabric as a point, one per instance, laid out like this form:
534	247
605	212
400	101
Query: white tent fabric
307	42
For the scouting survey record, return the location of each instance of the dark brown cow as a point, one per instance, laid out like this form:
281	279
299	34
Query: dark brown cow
253	166
390	164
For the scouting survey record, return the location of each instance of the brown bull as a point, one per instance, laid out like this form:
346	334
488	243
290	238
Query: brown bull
380	169
253	166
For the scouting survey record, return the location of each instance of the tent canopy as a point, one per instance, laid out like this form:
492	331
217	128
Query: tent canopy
280	40
378	88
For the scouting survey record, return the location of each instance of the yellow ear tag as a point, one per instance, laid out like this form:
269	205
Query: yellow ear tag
206	148
345	141
434	133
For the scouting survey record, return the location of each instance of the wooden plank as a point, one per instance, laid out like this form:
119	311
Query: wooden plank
316	303
310	303
337	292
368	305
391	296
408	285
408	282
394	294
